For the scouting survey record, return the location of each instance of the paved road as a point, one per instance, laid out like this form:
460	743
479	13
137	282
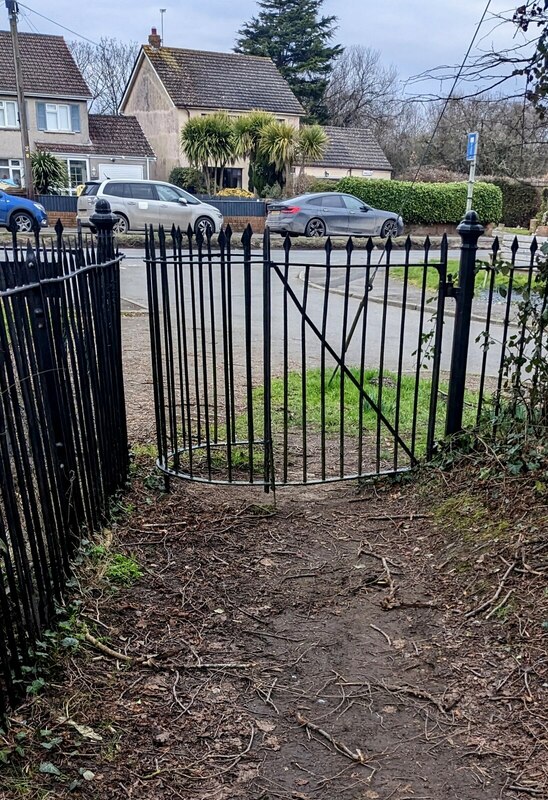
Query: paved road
401	328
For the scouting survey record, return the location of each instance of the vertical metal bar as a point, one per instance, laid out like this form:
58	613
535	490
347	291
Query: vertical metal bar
230	329
168	351
304	376
203	339
470	231
342	388
487	332
194	324
268	471
323	382
419	350
213	342
400	350
246	242
365	304
226	353
438	345
287	251
380	385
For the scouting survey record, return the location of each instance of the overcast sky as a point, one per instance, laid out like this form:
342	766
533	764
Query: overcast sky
414	36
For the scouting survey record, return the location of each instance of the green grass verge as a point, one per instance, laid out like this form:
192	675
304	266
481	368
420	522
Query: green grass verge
416	275
327	409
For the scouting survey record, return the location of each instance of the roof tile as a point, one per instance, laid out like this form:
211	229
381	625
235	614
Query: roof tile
110	136
352	148
202	79
48	66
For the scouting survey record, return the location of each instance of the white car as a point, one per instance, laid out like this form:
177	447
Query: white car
138	204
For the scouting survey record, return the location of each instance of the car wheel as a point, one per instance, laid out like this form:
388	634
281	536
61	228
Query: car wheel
22	223
121	225
389	228
205	226
316	227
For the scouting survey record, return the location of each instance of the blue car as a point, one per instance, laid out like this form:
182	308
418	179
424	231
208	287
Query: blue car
21	214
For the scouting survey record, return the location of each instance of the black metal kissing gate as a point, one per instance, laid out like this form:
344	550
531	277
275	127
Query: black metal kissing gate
63	439
276	367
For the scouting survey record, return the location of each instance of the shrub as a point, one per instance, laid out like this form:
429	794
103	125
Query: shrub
188	178
48	172
426	203
520	201
323	185
235	193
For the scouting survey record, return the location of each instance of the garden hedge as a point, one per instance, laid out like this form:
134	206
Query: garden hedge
426	203
520	201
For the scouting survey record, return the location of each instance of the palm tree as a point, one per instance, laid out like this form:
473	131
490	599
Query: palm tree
195	144
222	143
313	141
247	132
209	142
279	144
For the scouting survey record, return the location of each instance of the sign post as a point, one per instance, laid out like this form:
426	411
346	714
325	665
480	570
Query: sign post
471	156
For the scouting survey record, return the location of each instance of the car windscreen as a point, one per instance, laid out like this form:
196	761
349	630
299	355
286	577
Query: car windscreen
90	189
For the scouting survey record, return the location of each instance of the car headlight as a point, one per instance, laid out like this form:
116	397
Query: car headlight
39	207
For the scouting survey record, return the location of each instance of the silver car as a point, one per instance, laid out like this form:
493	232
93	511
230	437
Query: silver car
141	203
331	214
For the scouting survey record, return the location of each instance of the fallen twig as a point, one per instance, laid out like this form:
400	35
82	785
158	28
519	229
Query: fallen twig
497	594
389	601
339	746
412	691
386	636
500	605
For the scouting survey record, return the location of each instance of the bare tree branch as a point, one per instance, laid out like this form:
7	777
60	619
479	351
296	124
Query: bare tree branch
106	69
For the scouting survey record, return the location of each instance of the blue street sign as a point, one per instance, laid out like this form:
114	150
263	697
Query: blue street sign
472	148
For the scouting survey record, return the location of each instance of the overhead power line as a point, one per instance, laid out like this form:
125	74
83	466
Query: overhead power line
59	25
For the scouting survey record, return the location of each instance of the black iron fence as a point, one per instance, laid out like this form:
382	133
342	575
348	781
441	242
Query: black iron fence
63	440
275	367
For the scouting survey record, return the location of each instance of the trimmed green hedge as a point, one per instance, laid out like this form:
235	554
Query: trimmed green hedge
426	203
521	201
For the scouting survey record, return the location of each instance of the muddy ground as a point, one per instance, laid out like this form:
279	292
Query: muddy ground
358	642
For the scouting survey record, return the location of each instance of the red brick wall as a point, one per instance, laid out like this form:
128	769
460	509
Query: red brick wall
67	218
241	223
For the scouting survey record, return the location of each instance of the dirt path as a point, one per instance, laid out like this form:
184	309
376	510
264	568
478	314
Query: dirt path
335	609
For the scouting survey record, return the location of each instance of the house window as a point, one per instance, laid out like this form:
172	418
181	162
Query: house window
8	114
77	172
11	169
232	178
58	117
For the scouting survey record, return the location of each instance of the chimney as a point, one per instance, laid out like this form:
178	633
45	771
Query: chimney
155	40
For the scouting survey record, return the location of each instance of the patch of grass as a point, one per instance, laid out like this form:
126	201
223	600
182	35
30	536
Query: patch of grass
416	277
117	568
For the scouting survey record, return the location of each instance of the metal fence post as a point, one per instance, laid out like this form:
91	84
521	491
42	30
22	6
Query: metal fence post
470	230
104	221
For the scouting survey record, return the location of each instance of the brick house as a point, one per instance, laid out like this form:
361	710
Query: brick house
93	146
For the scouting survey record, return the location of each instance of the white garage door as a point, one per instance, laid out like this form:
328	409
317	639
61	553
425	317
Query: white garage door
120	171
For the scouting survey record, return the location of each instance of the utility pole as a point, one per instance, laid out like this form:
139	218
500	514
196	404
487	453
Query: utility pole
13	10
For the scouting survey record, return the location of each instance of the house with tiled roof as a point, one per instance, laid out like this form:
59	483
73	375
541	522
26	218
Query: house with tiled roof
169	86
351	152
93	146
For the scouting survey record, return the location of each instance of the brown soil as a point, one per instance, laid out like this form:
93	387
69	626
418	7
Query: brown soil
357	611
255	621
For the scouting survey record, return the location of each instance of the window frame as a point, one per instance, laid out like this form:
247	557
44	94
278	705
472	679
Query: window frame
5	104
14	165
57	106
